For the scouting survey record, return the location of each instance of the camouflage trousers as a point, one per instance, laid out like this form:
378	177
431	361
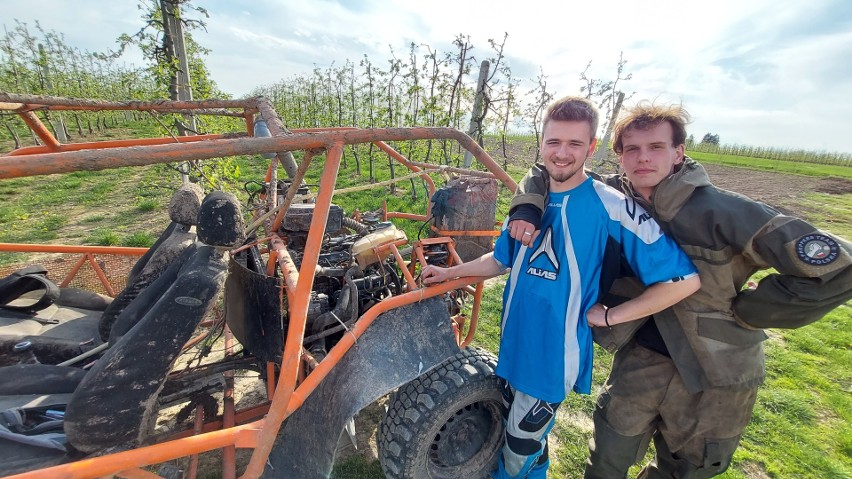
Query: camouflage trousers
695	435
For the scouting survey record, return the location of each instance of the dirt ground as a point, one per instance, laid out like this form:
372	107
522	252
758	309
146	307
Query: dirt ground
781	191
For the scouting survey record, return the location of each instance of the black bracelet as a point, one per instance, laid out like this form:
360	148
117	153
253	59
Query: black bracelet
606	318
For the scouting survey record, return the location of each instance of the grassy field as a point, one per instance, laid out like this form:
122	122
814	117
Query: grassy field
831	212
778	166
801	423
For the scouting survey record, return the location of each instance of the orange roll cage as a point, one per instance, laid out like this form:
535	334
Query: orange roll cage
288	391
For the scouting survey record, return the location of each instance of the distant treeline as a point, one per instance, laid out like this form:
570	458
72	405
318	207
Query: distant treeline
783	154
422	87
41	63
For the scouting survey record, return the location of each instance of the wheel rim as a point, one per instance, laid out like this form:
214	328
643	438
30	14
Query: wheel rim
466	439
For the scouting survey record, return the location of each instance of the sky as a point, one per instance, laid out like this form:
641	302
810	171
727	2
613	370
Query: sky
773	73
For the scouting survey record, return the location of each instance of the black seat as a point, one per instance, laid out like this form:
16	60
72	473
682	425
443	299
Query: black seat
115	403
177	237
77	317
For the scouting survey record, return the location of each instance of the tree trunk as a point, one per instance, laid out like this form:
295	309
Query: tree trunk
179	81
603	147
79	125
474	130
59	129
14	135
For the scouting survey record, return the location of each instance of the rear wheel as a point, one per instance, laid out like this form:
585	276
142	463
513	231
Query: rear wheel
446	423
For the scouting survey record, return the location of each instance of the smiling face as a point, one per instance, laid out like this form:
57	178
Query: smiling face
565	145
649	155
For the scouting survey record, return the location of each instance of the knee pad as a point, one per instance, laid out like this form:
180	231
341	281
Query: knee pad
718	454
717	458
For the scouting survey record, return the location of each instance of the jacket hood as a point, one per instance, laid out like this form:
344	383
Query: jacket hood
672	192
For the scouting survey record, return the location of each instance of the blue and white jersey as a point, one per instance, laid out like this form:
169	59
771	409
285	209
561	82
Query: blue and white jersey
546	342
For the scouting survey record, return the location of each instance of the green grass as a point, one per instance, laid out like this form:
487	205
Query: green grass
832	213
800	424
779	166
18	225
12	258
147	204
140	239
96	218
357	467
104	238
39	209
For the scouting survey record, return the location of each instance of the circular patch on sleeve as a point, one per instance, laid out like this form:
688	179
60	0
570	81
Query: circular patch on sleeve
817	249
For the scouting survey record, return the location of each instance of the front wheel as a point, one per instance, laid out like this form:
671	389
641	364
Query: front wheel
447	423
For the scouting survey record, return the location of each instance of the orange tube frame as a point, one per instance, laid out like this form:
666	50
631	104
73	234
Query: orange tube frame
287	395
88	253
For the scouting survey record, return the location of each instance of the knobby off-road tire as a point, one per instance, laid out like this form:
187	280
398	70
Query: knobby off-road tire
446	424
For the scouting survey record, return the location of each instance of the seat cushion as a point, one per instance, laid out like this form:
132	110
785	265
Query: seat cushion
38	379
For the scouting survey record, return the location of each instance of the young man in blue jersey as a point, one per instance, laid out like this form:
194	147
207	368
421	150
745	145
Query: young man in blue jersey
551	297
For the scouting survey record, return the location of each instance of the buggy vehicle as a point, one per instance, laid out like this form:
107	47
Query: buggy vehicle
325	305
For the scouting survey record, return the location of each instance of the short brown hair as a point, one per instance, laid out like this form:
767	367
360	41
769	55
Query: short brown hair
573	108
646	115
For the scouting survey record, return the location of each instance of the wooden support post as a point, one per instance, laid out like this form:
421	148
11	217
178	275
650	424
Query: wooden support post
474	130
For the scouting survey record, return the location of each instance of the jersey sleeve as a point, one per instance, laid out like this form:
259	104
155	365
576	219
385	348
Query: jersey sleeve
659	262
506	248
653	256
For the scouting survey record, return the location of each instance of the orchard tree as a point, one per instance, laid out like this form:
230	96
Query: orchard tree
167	36
40	62
604	93
710	139
176	61
534	111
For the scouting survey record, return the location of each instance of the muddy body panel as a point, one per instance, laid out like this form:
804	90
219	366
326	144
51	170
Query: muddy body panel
253	307
401	345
